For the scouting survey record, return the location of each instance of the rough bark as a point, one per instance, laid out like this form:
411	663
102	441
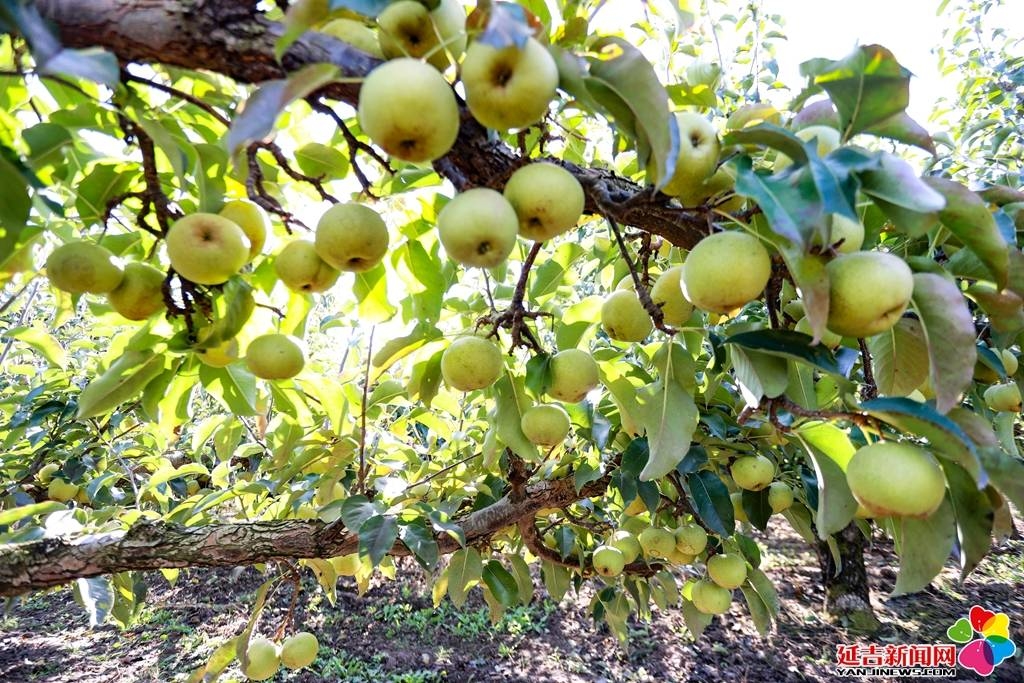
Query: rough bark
155	545
232	38
847	594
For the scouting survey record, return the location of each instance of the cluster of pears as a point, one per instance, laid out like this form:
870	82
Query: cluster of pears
1002	396
263	657
408	108
471	362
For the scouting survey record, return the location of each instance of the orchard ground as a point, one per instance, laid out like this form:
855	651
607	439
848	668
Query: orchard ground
394	634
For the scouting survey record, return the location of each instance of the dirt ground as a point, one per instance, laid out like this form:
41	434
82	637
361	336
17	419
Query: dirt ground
394	634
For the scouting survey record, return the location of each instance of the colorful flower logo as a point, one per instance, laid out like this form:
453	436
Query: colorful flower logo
982	654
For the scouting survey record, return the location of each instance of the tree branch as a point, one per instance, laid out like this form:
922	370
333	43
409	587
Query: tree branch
45	563
234	39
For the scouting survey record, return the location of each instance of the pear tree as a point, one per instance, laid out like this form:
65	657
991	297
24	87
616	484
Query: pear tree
319	285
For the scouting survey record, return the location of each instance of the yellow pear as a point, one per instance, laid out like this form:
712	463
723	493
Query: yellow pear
471	363
725	271
351	237
301	269
206	248
251	219
79	267
140	294
624	318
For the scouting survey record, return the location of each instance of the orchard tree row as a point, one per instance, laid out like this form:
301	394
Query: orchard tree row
322	284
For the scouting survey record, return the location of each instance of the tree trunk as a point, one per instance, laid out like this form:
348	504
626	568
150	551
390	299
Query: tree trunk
847	594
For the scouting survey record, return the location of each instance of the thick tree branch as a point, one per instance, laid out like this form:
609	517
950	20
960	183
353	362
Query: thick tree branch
51	562
234	39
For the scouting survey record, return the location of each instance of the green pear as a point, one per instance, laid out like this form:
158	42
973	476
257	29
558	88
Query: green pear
897	479
471	363
509	87
728	570
1010	362
667	293
608	561
720	182
780	496
847	232
574	374
46	472
698	154
409	110
868	292
738	513
753	115
206	248
79	267
710	598
141	292
60	490
351	237
275	356
299	651
725	271
691	539
301	269
545	425
262	659
547	199
251	219
657	542
752	472
355	33
409	29
219	356
478	228
627	544
624	318
1003	397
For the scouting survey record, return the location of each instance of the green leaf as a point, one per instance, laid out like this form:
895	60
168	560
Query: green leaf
355	510
103	183
124	380
419	538
756	507
696	621
501	583
233	386
896	183
711	501
538	373
15	207
9	517
973	511
768	135
272	97
96	596
923	546
788	344
948	328
42	341
764	587
902	128
759	614
789	201
830	450
810	276
946	437
868	86
556	580
669	417
523	577
371	292
510	402
507	26
377	537
464	571
1006	473
759	374
368	8
967	216
900	357
624	82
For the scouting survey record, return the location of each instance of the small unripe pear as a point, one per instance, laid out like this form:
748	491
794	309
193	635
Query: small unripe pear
263	660
471	363
627	543
299	650
667	293
574	374
60	490
657	542
608	561
545	425
728	570
274	356
1003	397
351	237
780	496
301	269
140	294
624	317
752	472
691	539
710	598
79	267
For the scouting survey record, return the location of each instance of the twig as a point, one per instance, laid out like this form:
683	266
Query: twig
361	485
259	195
443	470
282	161
21	319
514	317
180	94
870	389
354	147
653	309
296	580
